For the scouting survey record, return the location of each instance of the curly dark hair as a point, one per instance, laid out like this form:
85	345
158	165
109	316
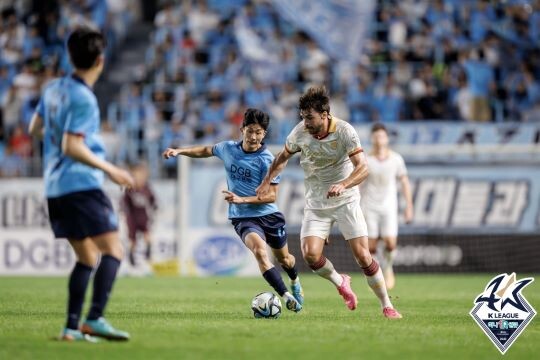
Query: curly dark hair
316	98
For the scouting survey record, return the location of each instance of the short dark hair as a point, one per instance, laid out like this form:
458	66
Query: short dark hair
85	45
256	116
378	126
316	98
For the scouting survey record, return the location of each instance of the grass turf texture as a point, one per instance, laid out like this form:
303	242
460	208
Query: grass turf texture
210	318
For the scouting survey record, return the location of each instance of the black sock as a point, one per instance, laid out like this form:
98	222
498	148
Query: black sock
78	282
291	272
273	278
148	252
103	282
132	257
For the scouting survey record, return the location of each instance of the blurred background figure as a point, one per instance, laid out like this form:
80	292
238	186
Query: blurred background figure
139	205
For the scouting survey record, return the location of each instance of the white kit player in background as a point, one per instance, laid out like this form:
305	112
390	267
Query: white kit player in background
379	198
333	163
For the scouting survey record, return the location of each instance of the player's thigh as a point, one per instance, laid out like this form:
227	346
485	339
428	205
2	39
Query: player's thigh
316	223
254	242
372	219
85	251
389	224
351	221
109	244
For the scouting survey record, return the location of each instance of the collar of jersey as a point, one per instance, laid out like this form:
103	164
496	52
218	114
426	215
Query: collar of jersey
79	79
259	150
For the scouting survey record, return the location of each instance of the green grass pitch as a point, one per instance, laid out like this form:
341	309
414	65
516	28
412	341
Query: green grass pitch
210	318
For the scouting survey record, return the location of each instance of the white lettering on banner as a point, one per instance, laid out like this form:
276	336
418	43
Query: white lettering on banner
37	255
431	255
510	199
23	210
432	201
470	203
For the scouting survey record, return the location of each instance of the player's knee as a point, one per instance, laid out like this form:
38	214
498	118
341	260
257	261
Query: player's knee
260	254
311	258
287	261
373	249
390	247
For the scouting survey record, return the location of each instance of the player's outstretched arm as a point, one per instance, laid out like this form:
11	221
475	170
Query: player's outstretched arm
36	126
270	197
74	147
275	169
194	152
359	174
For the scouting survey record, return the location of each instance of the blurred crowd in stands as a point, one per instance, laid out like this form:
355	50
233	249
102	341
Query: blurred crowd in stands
32	53
453	60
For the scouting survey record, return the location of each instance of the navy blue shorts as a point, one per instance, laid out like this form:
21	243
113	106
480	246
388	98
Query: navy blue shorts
82	214
270	228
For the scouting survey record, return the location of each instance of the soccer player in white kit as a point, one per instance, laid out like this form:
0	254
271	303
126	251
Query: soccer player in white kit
379	198
333	163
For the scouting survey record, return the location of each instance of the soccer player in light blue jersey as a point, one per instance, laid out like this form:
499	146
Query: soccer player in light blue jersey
67	118
257	221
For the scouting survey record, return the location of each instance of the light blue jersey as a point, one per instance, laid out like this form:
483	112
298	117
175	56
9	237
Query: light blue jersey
68	105
245	172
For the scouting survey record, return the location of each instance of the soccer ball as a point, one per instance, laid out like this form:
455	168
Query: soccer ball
266	305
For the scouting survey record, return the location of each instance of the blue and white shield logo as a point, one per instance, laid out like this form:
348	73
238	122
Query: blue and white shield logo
502	311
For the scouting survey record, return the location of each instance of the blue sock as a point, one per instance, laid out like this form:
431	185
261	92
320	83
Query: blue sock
78	282
273	278
103	282
291	272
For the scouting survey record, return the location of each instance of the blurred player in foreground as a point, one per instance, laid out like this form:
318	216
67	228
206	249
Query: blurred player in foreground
256	220
379	198
139	205
333	163
67	118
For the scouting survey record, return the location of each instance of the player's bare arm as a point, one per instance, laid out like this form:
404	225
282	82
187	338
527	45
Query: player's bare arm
407	194
270	197
36	126
193	152
73	146
276	168
359	174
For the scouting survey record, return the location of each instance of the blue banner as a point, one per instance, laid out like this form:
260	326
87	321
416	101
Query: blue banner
339	26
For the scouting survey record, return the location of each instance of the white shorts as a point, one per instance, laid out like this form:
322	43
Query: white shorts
349	218
381	223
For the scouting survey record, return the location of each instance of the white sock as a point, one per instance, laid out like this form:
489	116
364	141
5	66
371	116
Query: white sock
389	257
288	296
297	280
328	272
377	284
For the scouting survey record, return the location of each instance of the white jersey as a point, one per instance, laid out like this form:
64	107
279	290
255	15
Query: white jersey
326	162
379	190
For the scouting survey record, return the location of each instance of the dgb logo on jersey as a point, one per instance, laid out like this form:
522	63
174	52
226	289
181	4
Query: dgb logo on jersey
502	311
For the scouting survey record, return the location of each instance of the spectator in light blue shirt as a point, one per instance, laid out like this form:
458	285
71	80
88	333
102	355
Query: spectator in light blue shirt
480	78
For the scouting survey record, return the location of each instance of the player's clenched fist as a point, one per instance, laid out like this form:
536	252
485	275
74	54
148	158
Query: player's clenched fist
335	190
170	152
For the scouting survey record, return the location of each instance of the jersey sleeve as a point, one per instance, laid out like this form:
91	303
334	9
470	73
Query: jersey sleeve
401	168
219	149
351	140
79	115
266	166
291	143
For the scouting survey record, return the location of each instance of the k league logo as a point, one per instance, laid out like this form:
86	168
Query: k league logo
502	311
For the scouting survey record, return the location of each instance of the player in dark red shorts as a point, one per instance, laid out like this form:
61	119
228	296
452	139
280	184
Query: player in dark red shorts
139	204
